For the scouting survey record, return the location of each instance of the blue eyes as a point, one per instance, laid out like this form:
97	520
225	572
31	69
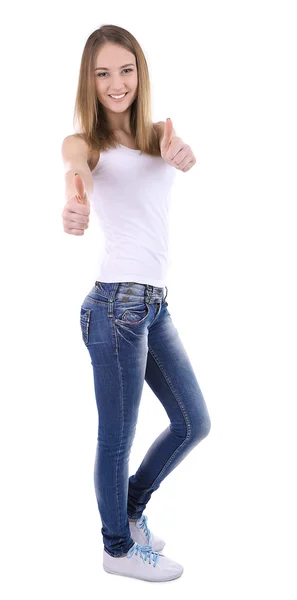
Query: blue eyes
103	73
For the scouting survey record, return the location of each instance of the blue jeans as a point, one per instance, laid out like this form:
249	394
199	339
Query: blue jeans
129	333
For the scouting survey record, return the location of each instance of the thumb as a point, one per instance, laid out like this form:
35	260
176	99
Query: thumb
168	130
81	194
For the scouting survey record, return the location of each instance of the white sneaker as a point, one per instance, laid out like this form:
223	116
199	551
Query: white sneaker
142	562
141	534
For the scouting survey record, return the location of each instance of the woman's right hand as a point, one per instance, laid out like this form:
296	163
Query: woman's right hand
77	209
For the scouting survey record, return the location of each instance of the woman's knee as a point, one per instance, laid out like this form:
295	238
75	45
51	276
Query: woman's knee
199	428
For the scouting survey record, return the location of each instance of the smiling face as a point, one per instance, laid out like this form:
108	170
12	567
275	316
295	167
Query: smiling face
116	73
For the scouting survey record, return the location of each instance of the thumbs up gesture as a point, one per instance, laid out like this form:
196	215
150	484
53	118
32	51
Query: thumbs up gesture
77	209
174	151
81	194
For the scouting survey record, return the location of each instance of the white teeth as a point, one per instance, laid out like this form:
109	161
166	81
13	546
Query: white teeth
122	96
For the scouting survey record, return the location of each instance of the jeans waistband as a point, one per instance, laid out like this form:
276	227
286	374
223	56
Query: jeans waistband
151	293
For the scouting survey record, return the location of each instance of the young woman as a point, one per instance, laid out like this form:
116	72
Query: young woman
124	165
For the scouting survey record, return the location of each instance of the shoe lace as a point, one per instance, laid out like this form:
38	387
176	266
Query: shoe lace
145	552
141	524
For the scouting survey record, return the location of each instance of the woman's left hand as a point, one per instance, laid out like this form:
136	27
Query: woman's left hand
174	151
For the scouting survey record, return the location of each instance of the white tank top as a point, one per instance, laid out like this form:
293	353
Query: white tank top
131	199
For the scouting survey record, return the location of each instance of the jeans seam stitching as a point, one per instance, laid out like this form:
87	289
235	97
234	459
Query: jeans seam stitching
120	447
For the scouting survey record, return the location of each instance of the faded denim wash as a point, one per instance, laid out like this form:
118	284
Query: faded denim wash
129	333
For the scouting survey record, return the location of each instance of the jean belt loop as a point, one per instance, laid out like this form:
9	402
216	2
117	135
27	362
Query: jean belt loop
166	292
148	292
111	298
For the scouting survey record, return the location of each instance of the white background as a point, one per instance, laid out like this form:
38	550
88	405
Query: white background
225	72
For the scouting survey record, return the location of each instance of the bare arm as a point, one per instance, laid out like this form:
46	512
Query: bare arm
76	211
75	154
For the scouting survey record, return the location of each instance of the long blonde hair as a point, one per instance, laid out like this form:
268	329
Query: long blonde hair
88	111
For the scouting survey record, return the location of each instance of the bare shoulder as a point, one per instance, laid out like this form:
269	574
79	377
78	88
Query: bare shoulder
159	126
76	145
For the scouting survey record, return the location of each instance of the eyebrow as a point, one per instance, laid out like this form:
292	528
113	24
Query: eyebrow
122	67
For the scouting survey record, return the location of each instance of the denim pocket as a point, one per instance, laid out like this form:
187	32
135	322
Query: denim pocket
85	316
132	316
